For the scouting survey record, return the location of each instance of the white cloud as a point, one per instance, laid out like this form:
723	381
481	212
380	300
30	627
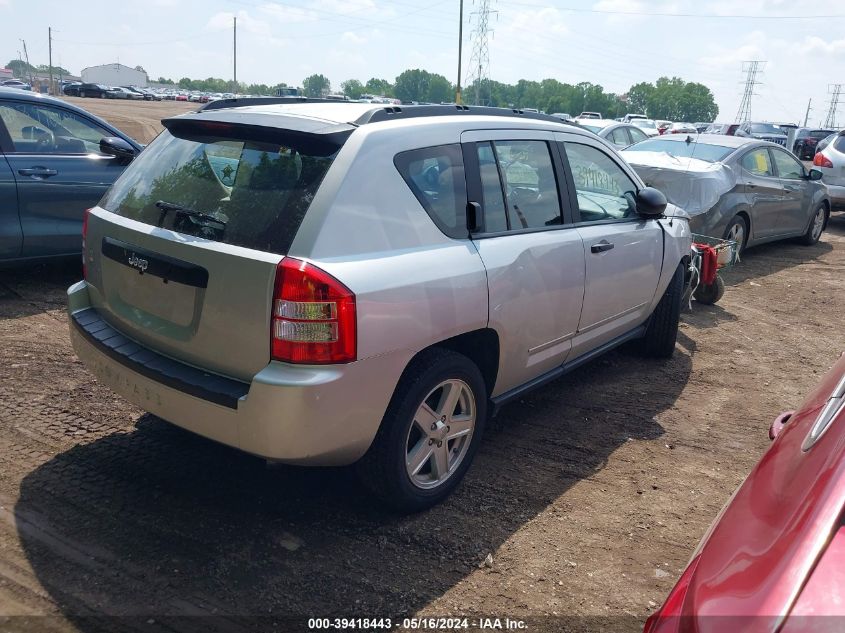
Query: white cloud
813	45
723	57
351	37
224	20
347	6
764	7
287	14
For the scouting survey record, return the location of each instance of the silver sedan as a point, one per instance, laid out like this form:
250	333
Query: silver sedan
621	135
743	189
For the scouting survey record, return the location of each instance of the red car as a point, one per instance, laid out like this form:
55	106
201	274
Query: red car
776	553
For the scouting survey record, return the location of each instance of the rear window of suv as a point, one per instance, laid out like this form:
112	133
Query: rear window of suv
241	192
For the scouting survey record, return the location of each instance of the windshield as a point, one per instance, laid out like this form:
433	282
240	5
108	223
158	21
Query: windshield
819	134
766	128
644	123
240	192
679	149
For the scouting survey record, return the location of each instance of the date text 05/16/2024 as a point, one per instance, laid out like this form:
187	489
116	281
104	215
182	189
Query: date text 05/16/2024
418	624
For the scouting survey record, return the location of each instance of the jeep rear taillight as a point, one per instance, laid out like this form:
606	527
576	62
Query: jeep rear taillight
313	320
85	242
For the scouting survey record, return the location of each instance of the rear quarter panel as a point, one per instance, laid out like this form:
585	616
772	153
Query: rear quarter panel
414	286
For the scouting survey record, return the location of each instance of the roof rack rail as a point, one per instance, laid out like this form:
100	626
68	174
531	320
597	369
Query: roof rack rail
239	102
389	113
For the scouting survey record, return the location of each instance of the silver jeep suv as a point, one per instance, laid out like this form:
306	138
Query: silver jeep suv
330	283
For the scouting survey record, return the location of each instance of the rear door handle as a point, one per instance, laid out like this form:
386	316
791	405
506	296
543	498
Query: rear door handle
38	172
601	247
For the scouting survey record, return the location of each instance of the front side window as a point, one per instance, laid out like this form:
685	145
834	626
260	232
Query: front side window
788	167
436	177
604	190
46	130
242	192
758	163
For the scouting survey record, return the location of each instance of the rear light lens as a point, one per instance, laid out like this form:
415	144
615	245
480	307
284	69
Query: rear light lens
820	160
313	320
670	616
85	243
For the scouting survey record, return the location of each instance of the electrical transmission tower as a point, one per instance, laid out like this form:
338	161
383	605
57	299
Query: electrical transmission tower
479	61
835	91
752	70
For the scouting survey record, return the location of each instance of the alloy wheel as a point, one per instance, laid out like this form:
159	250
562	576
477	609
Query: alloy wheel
818	224
440	434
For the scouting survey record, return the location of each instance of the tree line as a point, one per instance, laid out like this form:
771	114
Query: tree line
667	98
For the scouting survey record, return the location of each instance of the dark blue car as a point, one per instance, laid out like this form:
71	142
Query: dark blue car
56	160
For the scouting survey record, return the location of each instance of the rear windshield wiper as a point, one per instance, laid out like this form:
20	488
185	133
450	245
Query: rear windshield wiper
166	207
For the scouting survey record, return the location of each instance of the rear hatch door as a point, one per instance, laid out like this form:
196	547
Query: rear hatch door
182	251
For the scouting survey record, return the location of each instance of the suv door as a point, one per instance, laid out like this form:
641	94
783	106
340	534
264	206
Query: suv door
59	172
533	257
623	252
763	191
796	194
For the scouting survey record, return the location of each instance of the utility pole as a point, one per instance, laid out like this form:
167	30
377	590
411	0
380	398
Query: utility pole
835	91
28	66
50	57
460	50
479	61
235	53
807	115
751	69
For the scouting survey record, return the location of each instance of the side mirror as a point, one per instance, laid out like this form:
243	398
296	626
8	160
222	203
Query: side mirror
815	174
651	203
117	147
740	133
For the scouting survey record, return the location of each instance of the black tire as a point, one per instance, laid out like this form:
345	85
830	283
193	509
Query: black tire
710	294
382	470
662	330
740	222
813	232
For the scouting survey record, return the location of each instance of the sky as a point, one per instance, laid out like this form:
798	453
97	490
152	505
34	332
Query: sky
615	43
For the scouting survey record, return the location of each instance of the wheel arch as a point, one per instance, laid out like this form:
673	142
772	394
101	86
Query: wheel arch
481	347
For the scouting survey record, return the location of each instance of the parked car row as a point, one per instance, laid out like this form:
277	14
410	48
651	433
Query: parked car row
101	91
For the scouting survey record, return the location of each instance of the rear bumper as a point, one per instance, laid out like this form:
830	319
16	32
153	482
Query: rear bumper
312	415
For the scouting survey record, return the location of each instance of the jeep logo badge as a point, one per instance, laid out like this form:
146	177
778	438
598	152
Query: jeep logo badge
137	262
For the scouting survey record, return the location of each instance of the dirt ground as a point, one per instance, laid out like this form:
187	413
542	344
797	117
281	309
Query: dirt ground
590	494
139	119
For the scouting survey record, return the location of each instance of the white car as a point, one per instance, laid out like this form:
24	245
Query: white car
649	126
830	160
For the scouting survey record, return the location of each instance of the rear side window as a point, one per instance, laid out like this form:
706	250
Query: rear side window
241	192
436	177
757	162
839	144
518	185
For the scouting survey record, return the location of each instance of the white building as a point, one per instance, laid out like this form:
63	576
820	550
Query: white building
115	75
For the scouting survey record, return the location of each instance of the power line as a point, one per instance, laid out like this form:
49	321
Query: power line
751	69
479	61
659	14
835	91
